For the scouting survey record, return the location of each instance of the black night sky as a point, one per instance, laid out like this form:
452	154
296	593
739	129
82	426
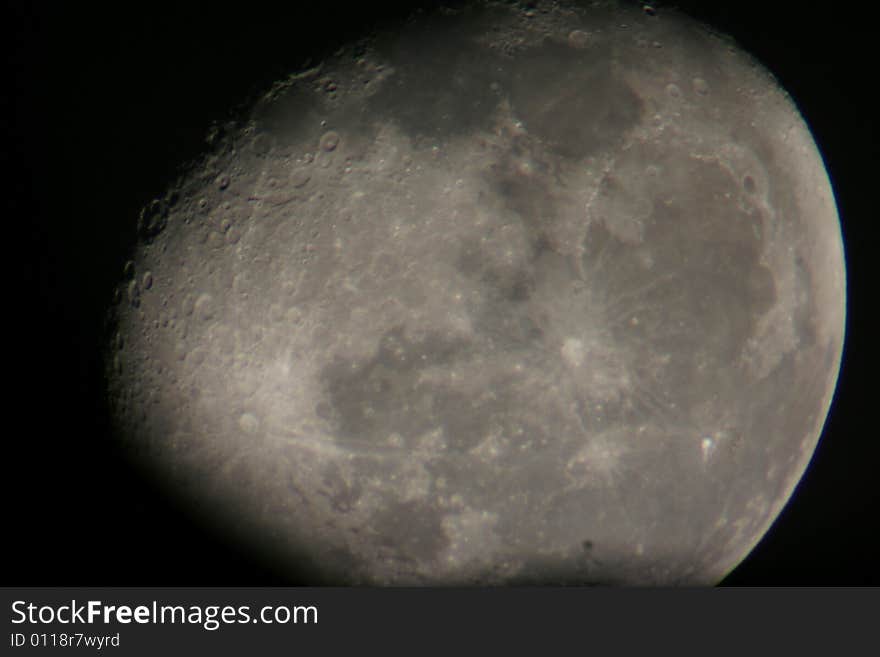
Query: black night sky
98	107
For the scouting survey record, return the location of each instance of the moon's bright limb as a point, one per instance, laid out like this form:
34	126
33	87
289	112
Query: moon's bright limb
497	298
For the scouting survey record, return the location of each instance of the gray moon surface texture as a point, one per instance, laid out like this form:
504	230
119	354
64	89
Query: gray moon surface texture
502	296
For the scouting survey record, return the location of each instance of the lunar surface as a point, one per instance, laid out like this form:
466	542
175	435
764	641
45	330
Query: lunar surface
505	295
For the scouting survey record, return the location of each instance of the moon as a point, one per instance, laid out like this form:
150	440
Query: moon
503	296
